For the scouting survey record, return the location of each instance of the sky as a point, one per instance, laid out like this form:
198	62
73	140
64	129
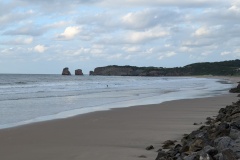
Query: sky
44	36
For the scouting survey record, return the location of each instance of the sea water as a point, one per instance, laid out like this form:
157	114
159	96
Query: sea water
26	99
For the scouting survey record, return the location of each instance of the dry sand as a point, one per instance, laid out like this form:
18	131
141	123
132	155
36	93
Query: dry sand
119	134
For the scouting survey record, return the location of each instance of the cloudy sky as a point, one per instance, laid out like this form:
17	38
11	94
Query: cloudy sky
43	36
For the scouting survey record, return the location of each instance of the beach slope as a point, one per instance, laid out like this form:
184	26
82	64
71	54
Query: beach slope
106	135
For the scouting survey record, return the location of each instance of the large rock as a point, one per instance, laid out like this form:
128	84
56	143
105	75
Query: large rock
229	154
234	134
197	145
168	144
66	71
91	73
210	150
235	90
78	72
149	147
161	155
222	143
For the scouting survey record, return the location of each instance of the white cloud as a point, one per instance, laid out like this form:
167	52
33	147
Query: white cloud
57	24
18	41
39	48
11	17
206	53
69	33
28	29
167	54
131	49
115	56
138	19
225	53
202	31
237	51
174	3
28	40
130	19
185	49
81	51
235	9
170	54
151	34
198	43
150	17
161	57
96	52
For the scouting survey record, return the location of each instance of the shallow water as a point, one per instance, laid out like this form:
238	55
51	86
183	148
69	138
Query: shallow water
31	98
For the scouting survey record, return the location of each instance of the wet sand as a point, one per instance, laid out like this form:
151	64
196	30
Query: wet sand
118	134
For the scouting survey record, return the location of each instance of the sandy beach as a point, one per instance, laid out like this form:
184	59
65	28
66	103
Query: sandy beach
109	135
119	80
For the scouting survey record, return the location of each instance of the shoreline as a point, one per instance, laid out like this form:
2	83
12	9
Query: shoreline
121	133
132	103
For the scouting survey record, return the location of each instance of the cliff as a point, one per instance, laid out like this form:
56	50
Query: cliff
117	71
207	68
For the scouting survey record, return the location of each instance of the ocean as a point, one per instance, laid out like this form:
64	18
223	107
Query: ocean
29	98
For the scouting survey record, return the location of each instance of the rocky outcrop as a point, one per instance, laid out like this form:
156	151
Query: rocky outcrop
91	73
215	68
235	90
66	71
78	72
114	71
218	139
137	71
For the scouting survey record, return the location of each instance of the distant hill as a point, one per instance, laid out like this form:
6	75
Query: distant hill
207	68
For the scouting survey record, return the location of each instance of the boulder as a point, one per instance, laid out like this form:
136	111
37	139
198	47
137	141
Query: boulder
66	71
161	155
197	145
192	157
222	143
234	134
149	147
78	72
235	125
168	144
210	150
229	154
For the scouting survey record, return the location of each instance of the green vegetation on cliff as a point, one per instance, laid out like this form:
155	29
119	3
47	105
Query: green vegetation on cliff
214	68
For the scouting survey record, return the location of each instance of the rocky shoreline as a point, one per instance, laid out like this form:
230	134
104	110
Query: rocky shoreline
217	139
224	68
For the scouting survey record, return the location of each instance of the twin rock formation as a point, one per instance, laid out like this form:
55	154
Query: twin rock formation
67	72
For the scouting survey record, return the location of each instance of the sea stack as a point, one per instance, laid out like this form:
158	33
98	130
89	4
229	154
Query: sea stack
66	71
91	73
78	72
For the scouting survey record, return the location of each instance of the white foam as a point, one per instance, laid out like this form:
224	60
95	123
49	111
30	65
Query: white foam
92	94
